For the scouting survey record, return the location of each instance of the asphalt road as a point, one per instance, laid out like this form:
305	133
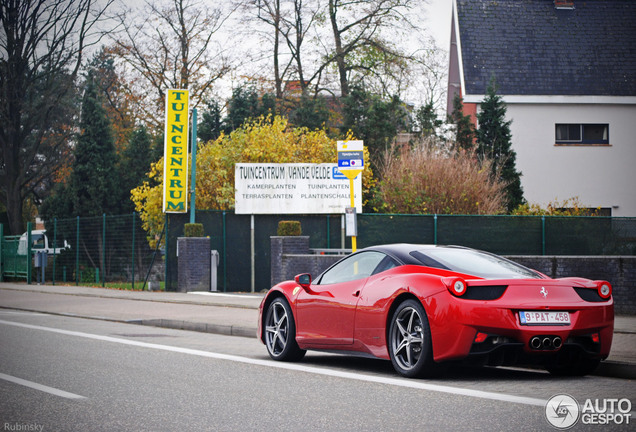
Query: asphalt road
70	374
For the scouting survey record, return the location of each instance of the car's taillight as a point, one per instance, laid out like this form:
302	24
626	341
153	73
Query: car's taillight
604	289
455	285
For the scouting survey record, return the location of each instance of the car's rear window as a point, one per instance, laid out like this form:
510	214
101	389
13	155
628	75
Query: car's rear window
472	262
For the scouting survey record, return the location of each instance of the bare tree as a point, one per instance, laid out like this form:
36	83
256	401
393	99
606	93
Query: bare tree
41	49
269	12
359	45
174	47
295	29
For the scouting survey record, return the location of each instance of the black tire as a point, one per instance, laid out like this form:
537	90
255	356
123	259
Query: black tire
580	367
280	332
409	341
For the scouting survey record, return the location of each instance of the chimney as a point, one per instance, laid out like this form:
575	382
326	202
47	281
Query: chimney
564	4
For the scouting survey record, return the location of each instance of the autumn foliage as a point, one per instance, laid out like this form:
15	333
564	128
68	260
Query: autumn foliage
425	180
568	207
266	139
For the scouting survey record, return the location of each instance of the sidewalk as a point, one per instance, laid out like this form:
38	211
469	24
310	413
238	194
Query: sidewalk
233	314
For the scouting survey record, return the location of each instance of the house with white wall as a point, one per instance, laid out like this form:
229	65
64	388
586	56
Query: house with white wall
567	73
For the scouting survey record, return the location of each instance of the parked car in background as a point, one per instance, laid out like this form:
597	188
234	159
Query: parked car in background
423	305
40	243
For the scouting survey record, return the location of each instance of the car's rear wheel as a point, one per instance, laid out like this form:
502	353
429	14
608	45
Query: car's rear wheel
280	332
410	340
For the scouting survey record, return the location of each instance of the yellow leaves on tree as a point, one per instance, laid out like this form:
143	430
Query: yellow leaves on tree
263	140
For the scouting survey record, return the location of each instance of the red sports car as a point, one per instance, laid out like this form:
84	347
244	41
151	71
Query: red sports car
421	305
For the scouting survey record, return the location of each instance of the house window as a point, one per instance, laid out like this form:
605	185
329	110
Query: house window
582	134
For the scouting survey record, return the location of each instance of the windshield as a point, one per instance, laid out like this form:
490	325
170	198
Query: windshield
472	262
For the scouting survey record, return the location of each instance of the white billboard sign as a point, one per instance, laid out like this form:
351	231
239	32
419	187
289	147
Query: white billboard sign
298	188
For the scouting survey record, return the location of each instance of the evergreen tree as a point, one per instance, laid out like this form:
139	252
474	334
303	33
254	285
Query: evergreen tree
242	105
464	128
267	105
135	163
311	113
427	120
157	144
93	180
373	119
494	141
210	126
245	104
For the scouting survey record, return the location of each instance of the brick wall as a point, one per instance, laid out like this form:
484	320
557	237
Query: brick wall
620	271
283	245
291	256
193	256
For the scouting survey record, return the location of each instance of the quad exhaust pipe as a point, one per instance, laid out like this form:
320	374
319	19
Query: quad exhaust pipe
546	343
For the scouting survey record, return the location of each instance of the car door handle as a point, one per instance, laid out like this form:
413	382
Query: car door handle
356	294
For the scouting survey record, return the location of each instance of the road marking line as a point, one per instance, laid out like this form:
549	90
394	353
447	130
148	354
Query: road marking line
408	383
41	387
17	312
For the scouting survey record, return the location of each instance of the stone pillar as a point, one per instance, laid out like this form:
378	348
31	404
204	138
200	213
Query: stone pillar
282	245
193	257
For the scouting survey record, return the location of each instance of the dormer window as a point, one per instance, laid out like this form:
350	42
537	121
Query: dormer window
564	4
581	134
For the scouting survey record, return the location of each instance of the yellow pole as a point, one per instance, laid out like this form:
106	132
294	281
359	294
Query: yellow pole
353	205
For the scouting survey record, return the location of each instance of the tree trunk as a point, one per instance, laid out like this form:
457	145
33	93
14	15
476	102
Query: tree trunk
14	210
340	55
277	78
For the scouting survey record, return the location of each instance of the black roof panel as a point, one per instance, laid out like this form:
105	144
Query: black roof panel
533	48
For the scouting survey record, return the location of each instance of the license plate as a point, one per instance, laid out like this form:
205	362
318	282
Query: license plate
544	318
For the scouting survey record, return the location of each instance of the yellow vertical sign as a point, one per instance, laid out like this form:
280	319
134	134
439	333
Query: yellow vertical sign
175	153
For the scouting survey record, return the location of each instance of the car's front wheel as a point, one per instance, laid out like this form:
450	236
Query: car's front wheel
280	332
410	340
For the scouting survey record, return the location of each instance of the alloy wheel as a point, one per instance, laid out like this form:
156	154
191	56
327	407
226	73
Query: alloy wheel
277	329
407	338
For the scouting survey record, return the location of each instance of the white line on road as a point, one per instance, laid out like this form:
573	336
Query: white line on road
17	312
36	386
415	384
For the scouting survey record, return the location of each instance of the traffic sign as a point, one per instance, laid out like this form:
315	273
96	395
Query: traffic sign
350	155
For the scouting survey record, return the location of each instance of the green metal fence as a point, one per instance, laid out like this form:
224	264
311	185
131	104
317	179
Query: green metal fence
506	235
114	249
15	253
106	250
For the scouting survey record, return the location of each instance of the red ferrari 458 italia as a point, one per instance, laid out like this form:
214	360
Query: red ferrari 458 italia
422	305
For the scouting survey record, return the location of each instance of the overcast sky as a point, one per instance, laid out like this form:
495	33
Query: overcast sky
439	21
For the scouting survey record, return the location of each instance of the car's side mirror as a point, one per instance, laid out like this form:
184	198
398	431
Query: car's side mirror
304	280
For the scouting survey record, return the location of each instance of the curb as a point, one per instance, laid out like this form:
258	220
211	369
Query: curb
614	369
227	330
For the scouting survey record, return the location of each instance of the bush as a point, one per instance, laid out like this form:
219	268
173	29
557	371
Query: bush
289	228
193	230
569	207
426	180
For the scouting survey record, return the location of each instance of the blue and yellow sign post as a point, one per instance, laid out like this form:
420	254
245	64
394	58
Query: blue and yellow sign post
175	158
350	164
